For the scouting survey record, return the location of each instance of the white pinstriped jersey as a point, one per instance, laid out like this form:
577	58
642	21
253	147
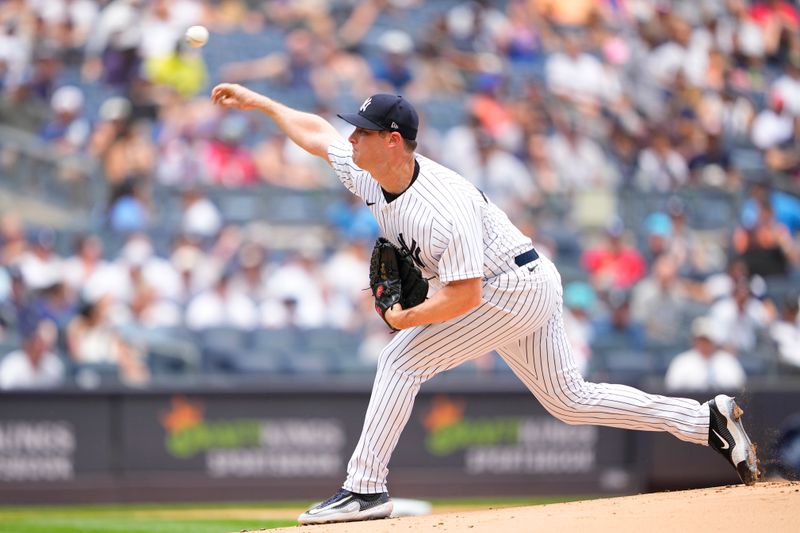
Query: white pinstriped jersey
457	234
447	224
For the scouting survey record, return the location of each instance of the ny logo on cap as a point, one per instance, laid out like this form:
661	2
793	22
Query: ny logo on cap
395	126
365	105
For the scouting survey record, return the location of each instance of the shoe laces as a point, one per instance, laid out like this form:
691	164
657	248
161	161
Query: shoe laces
335	497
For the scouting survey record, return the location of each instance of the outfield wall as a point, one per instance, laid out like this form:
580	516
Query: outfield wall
288	441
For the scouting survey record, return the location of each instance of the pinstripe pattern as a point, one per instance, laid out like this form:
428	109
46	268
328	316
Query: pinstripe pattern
459	233
462	236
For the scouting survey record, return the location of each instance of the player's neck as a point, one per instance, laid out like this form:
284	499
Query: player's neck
395	177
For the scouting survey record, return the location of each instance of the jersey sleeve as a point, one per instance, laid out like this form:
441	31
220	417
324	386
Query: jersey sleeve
340	155
463	256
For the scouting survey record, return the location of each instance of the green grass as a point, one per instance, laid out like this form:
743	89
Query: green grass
126	519
182	517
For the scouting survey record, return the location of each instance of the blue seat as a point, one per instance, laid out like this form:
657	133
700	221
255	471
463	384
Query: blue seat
259	362
275	339
219	346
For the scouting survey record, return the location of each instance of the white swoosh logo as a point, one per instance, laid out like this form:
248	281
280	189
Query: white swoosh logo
334	504
724	442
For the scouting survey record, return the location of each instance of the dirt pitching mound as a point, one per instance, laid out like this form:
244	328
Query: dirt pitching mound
769	506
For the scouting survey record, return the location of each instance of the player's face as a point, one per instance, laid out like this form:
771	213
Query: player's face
367	147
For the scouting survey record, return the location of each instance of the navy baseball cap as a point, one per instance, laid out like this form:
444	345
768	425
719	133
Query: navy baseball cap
385	112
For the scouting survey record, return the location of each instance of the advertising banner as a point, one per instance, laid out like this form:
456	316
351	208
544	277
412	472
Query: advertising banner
239	436
234	445
45	439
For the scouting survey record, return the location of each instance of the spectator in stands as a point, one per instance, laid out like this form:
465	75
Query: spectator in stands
785	206
227	161
129	209
578	161
787	86
491	107
785	158
200	217
661	168
698	83
435	73
149	310
183	70
392	72
16	309
574	74
352	219
739	318
668	60
541	167
142	265
477	26
579	301
128	155
659	302
56	304
785	331
460	144
501	176
85	265
12	238
291	67
92	340
720	285
67	131
221	306
340	73
253	272
112	50
773	125
618	329
14	52
41	266
5	296
35	366
709	156
298	281
114	116
613	264
706	366
162	25
343	273
44	73
658	234
766	246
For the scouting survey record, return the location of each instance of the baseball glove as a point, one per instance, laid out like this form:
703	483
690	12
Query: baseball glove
394	278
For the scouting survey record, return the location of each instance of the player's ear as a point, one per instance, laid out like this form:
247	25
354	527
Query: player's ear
395	139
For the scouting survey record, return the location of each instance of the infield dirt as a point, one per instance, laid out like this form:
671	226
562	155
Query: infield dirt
772	507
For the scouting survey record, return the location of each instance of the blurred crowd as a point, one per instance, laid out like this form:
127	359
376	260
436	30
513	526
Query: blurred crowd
651	148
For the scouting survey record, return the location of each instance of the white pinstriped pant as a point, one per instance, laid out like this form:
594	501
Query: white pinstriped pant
520	317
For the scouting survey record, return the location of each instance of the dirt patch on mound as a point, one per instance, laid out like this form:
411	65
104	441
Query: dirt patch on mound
769	506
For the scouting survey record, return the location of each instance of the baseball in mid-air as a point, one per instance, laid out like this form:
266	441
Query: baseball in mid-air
197	36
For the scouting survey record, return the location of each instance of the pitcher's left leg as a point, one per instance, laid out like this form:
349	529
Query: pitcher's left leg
544	362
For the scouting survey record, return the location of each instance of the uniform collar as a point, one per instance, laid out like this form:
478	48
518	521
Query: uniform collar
390	197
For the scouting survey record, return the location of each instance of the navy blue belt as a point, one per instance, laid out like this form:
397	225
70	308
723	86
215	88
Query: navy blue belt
528	257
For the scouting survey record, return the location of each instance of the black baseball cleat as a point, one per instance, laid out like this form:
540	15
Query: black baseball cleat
726	434
346	506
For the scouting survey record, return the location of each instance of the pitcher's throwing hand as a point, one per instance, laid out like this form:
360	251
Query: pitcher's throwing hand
233	95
